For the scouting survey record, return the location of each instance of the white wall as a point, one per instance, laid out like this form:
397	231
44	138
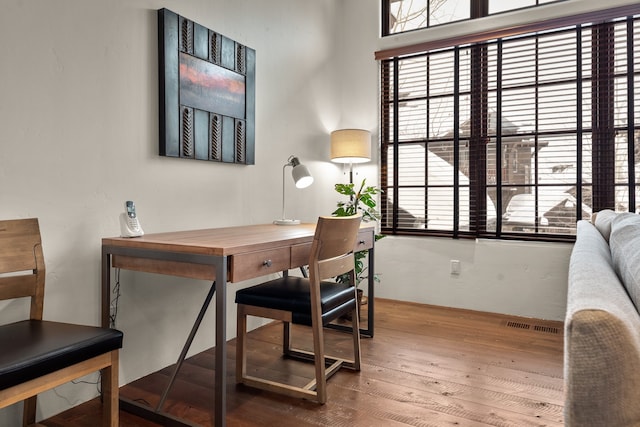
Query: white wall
79	136
79	131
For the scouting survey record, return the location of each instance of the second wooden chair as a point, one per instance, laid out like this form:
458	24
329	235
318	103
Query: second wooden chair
312	301
37	354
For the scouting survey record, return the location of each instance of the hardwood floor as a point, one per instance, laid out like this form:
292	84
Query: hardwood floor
426	366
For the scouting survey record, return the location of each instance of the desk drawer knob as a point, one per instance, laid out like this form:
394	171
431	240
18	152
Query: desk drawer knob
267	263
361	242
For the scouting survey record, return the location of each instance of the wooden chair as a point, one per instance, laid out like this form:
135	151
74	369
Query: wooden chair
313	301
38	355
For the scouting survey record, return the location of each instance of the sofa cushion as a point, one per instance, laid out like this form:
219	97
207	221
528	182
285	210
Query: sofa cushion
625	252
602	339
602	220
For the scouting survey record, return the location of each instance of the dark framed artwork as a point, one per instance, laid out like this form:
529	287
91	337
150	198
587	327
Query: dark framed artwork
207	93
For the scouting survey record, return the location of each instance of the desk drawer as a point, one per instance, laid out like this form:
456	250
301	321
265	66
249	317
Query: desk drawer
300	255
259	263
364	240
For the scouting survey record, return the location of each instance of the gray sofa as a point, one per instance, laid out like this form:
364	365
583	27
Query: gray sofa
602	324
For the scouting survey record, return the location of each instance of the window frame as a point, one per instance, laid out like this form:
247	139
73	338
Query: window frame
477	9
478	185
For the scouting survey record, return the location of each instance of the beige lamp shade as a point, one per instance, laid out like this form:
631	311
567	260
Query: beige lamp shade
350	146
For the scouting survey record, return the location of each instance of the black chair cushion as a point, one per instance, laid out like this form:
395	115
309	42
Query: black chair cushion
33	348
292	294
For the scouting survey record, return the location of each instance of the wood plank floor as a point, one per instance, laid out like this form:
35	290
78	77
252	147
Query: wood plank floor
426	366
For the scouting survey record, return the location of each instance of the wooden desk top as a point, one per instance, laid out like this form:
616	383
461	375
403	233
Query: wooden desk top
223	241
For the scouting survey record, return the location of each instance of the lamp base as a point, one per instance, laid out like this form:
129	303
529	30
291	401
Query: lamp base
286	222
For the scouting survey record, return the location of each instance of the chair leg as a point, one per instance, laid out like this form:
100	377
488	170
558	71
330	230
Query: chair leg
29	411
318	349
241	343
110	385
286	338
355	325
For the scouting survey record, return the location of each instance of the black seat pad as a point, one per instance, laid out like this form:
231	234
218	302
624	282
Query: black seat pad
32	348
292	294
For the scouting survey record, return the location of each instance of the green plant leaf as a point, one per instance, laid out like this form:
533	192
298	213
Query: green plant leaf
364	202
346	189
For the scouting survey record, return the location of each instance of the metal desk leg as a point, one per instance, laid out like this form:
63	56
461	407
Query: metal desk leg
106	289
187	345
370	298
221	342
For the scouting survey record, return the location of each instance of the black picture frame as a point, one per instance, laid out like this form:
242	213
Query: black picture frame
207	93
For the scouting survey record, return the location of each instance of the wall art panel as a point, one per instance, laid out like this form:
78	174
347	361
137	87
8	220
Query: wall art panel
207	93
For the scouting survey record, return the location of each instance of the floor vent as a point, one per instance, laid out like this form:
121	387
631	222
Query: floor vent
518	325
536	328
547	329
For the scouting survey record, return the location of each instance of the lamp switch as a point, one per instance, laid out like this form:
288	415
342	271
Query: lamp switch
455	267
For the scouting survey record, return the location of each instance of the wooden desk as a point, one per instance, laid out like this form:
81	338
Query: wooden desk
220	255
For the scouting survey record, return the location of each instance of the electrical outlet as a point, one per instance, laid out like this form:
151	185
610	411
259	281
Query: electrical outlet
455	267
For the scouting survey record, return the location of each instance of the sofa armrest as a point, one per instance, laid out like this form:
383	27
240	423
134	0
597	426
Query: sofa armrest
602	371
602	339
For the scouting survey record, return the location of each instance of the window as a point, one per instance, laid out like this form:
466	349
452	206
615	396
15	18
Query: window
400	16
513	137
497	6
407	15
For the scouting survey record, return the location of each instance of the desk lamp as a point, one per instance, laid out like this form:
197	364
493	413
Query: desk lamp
302	179
350	146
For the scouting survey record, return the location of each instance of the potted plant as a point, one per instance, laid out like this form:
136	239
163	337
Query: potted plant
361	201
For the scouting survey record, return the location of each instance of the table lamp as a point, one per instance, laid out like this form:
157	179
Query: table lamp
302	179
350	146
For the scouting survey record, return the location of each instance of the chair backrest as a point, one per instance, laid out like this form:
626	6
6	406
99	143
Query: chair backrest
22	270
333	243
